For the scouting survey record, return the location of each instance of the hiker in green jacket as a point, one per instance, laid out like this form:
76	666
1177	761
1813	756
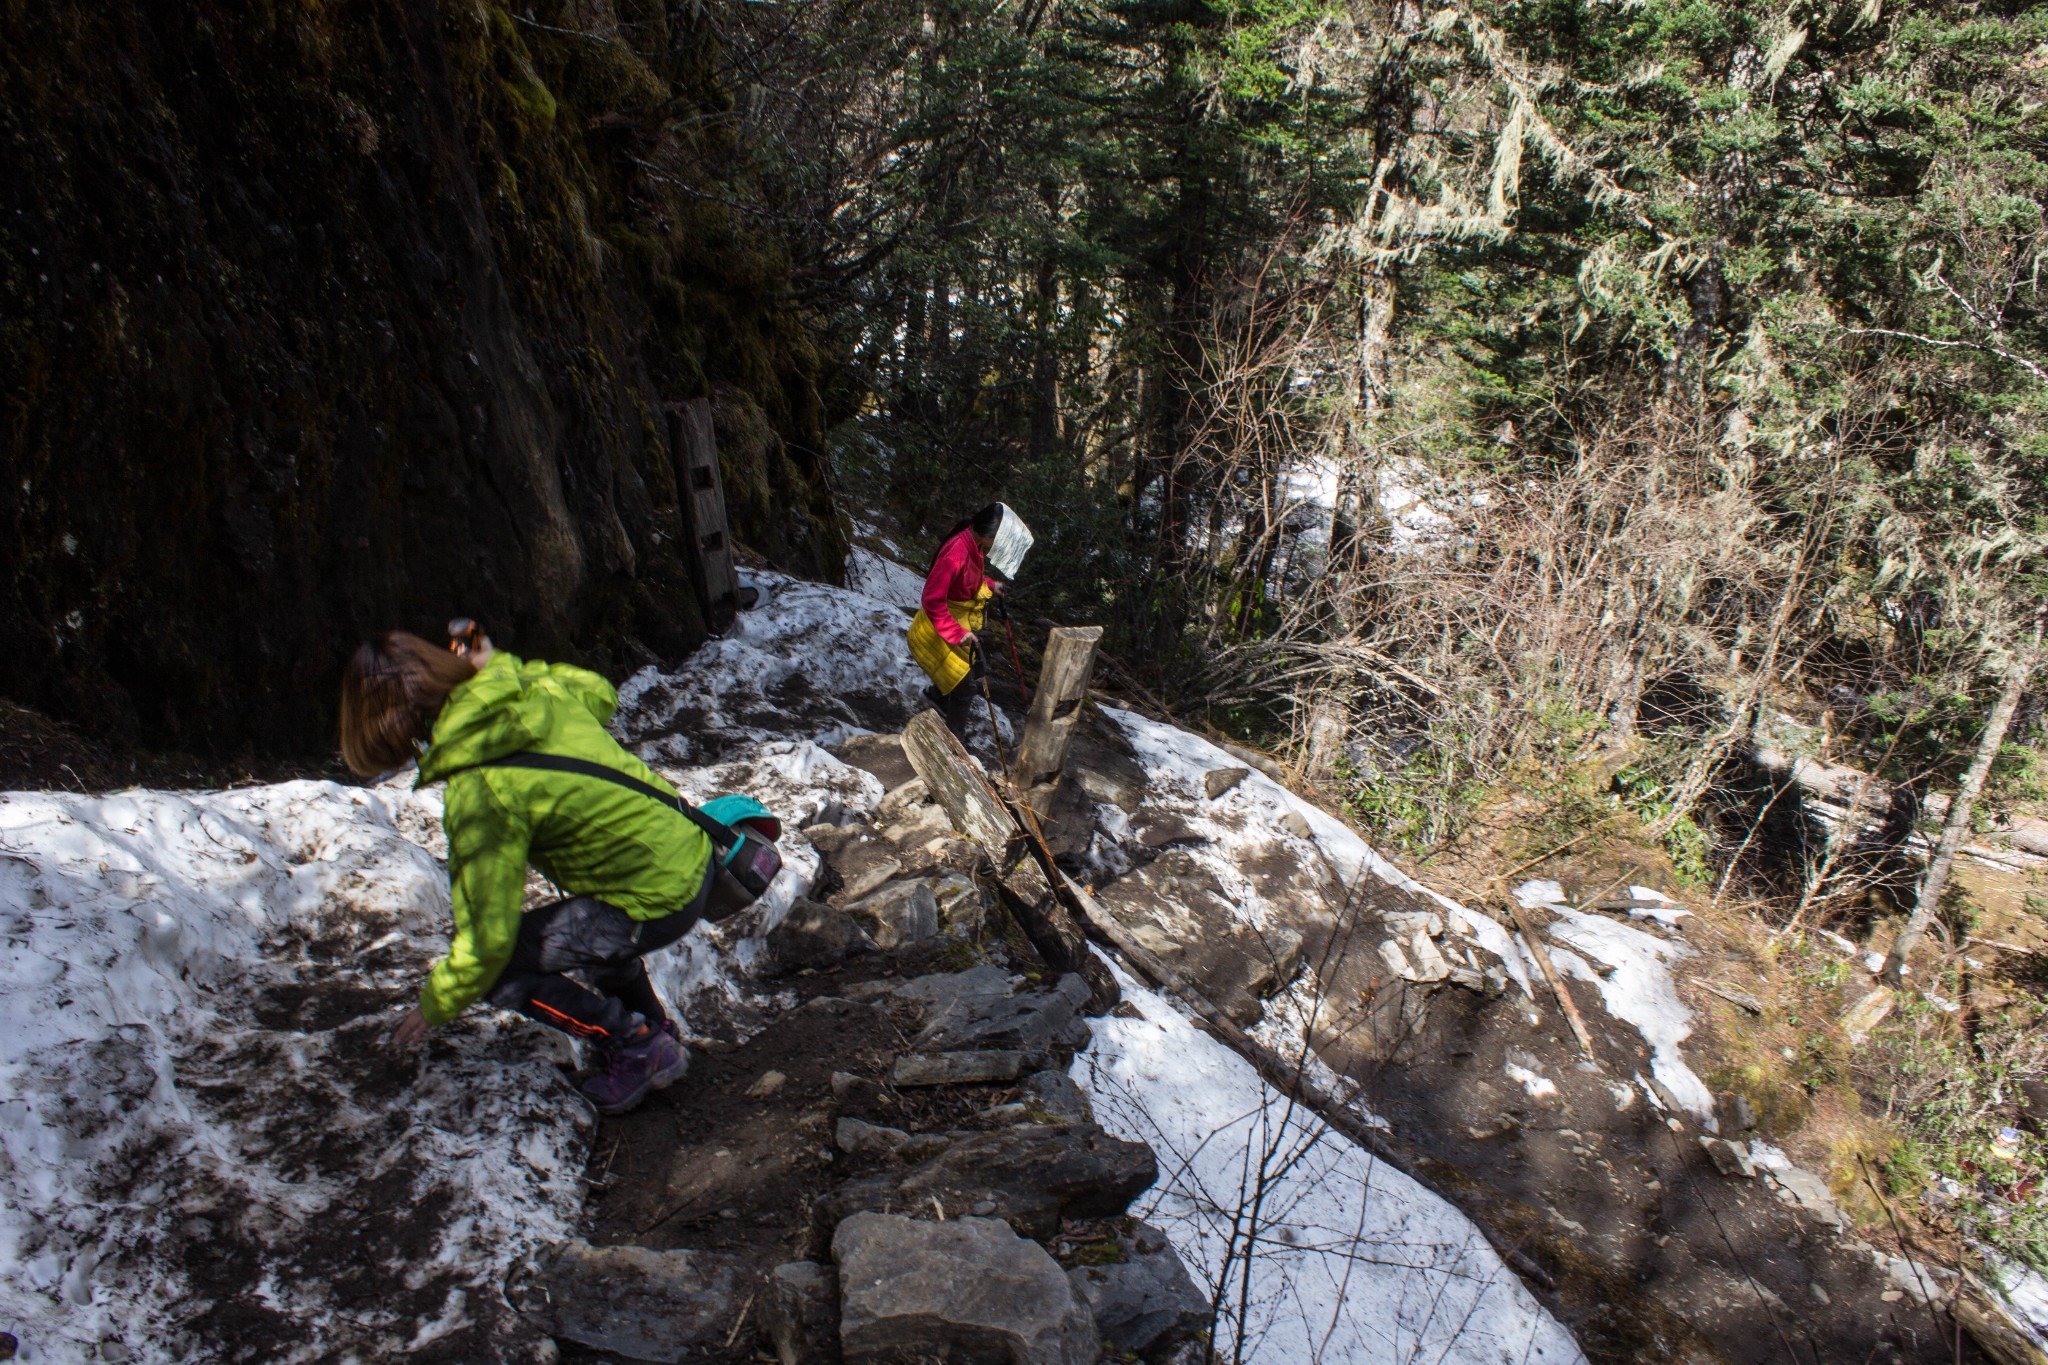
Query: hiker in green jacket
634	871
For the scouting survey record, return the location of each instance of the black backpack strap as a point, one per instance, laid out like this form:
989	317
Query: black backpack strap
723	836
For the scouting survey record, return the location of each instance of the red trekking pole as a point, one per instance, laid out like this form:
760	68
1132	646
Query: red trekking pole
1003	610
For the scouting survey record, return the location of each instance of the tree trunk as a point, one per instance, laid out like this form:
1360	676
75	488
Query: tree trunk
1045	363
1958	823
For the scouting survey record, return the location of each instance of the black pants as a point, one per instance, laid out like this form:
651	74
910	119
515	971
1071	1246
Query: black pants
957	706
604	945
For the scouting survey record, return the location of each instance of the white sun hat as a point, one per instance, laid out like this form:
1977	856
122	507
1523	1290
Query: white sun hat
1013	542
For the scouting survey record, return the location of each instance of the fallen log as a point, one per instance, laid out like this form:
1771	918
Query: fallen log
1993	1327
969	799
1534	942
1840	794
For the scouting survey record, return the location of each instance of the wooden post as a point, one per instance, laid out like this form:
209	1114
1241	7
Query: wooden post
1030	889
1062	686
702	490
959	788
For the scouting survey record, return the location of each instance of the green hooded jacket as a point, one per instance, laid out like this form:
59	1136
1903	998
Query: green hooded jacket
588	836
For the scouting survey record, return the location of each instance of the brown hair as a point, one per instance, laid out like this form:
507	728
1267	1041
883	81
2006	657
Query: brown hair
391	692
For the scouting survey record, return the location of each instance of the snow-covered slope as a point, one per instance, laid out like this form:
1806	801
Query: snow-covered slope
207	1147
1349	1259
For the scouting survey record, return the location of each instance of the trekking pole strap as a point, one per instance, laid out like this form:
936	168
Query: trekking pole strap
1016	662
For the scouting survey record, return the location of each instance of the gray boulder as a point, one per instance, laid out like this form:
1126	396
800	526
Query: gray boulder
901	913
833	840
1275	962
917	827
1147	1304
1729	1158
1030	1177
856	1137
914	1069
881	755
1217	781
943	991
857	1095
899	802
968	1289
871	878
1038	1023
799	1315
1055	1093
962	909
649	1305
816	935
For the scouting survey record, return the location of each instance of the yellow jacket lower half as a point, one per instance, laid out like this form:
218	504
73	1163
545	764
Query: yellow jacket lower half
946	665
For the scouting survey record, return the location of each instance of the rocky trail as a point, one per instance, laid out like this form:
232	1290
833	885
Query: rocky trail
901	1136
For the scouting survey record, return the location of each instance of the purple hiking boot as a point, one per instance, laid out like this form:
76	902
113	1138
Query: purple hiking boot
638	1067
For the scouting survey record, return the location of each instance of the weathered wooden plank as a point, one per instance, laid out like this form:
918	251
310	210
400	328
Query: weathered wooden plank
1055	708
702	490
959	788
1029	888
1541	955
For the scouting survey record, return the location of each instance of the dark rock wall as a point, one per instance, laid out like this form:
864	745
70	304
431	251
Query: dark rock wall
317	318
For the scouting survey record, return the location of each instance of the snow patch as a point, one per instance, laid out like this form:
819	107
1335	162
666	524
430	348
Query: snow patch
884	580
1178	760
1665	911
2026	1289
1639	989
1539	1086
811	660
1350	1260
203	1132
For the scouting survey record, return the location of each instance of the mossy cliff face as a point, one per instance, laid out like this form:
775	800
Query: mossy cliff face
321	318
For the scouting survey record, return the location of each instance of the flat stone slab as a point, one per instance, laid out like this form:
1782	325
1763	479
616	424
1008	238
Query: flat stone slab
941	991
1056	1093
968	1289
1029	1021
870	880
900	913
1030	1177
813	934
649	1305
957	1068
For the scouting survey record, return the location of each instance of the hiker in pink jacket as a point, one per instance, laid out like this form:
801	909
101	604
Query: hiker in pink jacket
943	636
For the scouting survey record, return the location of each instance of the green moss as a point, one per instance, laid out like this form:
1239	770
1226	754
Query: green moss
1782	1103
1100	1251
955	956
